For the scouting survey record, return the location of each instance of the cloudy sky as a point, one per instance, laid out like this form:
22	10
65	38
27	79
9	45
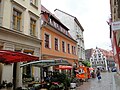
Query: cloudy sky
92	14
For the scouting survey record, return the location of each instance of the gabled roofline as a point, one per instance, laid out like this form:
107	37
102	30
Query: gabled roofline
75	19
43	9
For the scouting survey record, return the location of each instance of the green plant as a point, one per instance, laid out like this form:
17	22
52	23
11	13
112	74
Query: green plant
86	63
54	87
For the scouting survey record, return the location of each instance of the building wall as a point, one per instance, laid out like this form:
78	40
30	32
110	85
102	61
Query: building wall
51	52
115	16
75	31
97	59
14	40
68	21
27	9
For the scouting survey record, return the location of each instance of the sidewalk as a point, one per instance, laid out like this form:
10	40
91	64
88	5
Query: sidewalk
117	81
107	83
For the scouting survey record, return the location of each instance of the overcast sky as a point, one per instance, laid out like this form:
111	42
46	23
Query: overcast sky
92	14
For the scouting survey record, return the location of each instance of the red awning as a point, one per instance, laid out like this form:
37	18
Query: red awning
7	56
65	67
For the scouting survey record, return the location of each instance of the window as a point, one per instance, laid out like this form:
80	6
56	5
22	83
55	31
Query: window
34	2
32	27
56	44
68	48
72	50
16	20
0	13
63	46
47	37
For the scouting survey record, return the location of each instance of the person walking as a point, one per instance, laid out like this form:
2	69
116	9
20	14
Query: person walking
93	75
98	74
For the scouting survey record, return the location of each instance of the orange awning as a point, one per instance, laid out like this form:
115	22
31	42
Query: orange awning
7	56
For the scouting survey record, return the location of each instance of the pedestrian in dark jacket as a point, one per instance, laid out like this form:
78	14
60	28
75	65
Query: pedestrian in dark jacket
98	74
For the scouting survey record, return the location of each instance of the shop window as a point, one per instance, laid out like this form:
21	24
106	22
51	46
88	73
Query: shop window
27	71
16	20
47	38
32	27
56	44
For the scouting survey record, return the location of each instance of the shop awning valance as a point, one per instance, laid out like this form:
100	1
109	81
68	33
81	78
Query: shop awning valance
7	56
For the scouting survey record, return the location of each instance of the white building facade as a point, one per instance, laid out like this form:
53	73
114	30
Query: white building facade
76	31
19	31
98	59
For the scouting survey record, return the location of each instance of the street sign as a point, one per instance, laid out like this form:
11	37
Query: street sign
116	25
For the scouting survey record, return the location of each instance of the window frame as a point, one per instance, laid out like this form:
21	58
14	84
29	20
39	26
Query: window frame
16	16
32	27
47	42
56	43
68	48
63	46
34	3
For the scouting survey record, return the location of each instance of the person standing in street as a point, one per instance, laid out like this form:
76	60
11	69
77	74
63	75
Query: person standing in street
98	74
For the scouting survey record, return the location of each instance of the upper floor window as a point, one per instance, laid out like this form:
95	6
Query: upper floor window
63	46
16	20
56	44
68	48
72	50
32	27
0	12
34	2
47	37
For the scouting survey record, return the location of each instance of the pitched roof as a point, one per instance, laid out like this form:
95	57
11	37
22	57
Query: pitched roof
76	20
44	10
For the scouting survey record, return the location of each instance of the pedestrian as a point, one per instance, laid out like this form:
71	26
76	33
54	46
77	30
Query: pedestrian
93	75
98	74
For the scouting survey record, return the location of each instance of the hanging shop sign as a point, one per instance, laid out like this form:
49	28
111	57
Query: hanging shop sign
116	25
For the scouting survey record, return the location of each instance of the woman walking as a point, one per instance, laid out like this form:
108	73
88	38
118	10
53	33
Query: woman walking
98	74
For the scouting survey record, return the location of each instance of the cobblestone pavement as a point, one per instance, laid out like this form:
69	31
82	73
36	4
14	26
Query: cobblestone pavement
107	83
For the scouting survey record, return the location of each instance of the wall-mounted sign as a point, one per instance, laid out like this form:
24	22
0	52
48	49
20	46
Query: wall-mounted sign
116	25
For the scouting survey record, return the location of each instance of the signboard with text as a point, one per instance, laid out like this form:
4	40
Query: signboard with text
116	25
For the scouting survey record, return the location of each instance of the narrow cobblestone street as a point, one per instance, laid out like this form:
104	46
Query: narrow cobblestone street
107	83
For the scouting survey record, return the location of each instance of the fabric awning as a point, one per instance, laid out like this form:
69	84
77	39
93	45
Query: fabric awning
7	56
46	63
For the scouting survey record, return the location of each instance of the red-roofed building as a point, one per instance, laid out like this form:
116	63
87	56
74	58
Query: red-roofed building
57	42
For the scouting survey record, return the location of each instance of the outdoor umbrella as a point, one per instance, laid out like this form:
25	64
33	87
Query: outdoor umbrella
65	67
7	56
91	68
